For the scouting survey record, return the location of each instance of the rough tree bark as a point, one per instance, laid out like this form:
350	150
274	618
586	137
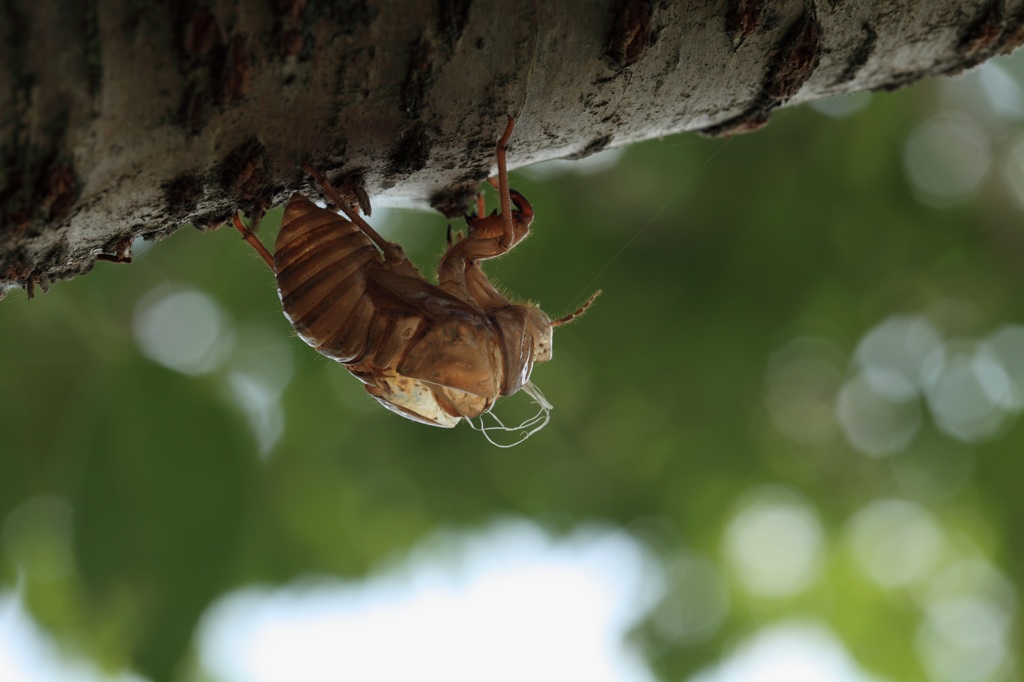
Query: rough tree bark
121	119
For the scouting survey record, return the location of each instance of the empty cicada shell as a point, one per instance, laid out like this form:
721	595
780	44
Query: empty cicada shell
432	353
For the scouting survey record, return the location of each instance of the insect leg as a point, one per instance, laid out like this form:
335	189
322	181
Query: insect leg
35	277
391	251
506	201
249	236
122	251
113	258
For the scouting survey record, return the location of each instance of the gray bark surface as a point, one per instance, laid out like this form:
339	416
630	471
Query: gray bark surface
122	119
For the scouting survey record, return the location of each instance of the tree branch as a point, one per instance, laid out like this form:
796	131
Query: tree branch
119	120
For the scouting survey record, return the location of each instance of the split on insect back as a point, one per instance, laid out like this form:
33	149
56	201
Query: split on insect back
435	354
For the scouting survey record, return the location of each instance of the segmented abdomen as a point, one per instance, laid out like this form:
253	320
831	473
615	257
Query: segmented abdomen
321	261
421	351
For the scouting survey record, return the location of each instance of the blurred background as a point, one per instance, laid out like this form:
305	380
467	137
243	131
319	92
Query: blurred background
786	442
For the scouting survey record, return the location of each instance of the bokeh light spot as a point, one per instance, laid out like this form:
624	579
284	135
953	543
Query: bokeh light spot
260	370
1002	91
968	627
29	654
905	345
802	381
874	422
788	652
696	601
773	544
262	408
895	542
963	640
508	604
970	399
1006	346
1013	170
946	158
182	329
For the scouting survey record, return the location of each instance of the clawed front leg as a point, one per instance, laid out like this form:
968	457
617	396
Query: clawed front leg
489	236
488	233
503	191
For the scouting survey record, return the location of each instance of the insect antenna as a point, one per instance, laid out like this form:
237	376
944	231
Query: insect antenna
576	313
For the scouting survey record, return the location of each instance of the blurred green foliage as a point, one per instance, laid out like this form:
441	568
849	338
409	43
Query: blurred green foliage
712	255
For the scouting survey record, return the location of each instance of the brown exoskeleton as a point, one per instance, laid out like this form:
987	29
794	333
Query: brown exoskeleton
432	353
